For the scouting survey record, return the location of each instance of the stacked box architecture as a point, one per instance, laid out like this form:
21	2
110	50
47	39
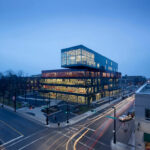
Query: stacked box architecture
89	77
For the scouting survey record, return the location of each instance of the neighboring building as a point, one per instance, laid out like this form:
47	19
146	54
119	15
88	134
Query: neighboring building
132	80
33	83
90	76
142	118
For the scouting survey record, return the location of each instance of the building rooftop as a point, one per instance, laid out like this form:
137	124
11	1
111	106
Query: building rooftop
145	89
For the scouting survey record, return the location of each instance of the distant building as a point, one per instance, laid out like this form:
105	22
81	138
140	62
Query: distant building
142	118
33	83
132	80
90	76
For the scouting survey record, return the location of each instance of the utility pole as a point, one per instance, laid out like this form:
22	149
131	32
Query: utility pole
67	112
14	100
25	96
47	113
109	95
49	99
114	131
3	101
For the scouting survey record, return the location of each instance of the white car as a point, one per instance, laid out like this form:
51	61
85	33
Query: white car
125	117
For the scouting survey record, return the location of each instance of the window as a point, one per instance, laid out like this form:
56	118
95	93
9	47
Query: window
147	114
110	68
78	56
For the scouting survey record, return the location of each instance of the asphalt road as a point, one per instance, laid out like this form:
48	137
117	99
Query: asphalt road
91	133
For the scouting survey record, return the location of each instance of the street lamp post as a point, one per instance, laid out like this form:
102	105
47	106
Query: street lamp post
14	100
109	96
67	113
3	101
114	131
25	96
47	113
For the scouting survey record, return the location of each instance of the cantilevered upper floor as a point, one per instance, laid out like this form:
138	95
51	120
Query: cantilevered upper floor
83	57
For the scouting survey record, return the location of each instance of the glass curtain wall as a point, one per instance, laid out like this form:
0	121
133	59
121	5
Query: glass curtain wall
78	56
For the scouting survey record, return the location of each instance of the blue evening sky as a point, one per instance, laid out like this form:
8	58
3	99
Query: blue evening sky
32	32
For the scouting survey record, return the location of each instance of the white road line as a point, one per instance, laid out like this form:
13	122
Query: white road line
74	128
11	140
26	137
90	129
32	142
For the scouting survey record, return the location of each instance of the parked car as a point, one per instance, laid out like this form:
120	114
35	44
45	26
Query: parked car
131	112
125	117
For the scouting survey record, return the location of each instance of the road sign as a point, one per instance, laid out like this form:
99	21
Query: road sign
111	117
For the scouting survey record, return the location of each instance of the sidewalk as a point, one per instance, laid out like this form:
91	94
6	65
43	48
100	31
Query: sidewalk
121	146
53	102
39	116
121	143
7	107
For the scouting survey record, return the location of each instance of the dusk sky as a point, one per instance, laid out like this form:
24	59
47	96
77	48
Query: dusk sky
33	32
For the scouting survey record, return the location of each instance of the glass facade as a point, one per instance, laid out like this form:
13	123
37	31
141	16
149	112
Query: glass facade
78	86
64	81
76	90
78	56
82	56
91	76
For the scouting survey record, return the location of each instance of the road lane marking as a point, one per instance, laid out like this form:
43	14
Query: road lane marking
72	137
61	144
72	128
109	111
89	129
55	142
11	128
108	124
63	135
31	143
95	119
75	143
26	138
11	141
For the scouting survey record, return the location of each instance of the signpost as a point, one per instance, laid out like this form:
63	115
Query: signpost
114	131
111	117
114	118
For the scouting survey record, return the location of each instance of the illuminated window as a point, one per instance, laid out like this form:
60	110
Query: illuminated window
78	52
77	56
110	68
84	53
104	74
106	61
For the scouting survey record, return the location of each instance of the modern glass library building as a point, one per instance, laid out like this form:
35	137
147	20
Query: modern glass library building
89	77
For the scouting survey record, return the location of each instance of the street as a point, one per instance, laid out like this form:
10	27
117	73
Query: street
95	132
